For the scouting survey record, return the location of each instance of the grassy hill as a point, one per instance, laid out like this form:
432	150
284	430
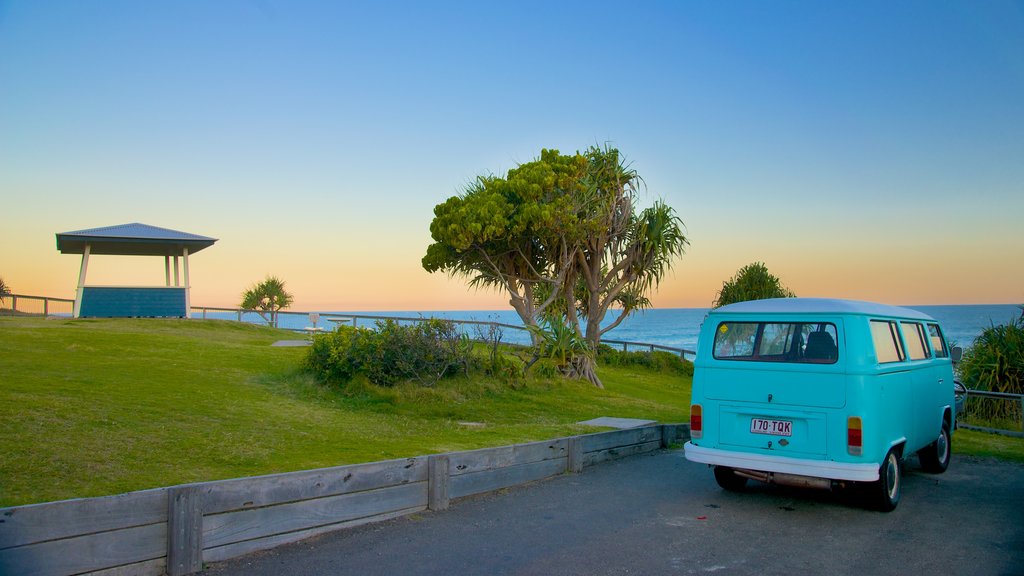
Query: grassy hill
96	407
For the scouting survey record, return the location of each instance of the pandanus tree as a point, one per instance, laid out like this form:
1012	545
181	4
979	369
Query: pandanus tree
561	235
751	282
267	298
4	290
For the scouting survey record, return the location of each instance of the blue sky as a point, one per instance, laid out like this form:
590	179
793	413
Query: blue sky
869	150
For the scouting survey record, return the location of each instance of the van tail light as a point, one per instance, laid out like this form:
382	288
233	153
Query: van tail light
696	421
854	436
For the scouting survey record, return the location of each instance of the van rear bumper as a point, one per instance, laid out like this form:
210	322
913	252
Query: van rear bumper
784	464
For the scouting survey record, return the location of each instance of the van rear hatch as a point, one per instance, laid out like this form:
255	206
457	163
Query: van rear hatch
777	384
783	410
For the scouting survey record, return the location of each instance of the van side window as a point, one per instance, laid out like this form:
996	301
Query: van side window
913	335
799	342
938	342
887	342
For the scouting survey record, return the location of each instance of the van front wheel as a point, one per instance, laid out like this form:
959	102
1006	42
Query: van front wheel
935	456
728	480
884	494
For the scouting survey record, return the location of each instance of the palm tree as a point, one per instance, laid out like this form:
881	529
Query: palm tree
267	296
4	290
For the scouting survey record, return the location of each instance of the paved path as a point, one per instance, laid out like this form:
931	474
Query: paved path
660	514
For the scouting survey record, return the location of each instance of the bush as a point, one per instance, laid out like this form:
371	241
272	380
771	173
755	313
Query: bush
424	352
658	360
995	362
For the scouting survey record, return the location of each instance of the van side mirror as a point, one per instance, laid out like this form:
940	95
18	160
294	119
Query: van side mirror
956	353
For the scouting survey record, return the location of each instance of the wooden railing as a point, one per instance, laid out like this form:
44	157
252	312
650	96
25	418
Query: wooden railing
174	530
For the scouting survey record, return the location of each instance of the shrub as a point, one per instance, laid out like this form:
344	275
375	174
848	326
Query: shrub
424	352
995	362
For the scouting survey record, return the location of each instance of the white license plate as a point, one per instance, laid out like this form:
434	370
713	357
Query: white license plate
771	427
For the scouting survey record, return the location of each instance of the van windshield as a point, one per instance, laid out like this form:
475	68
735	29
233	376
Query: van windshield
801	342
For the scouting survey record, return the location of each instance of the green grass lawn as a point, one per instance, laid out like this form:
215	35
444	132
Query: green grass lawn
96	407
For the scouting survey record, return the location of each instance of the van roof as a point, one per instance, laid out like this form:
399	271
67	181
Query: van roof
821	305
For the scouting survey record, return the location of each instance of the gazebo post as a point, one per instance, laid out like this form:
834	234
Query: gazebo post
176	281
81	280
188	287
167	269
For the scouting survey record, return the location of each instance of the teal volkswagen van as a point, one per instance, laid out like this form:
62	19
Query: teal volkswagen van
821	393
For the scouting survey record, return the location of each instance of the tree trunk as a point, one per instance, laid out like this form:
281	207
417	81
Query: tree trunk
585	368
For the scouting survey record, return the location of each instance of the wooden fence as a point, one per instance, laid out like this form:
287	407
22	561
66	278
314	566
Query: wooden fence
176	529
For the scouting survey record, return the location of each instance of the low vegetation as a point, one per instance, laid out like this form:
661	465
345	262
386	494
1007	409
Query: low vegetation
995	362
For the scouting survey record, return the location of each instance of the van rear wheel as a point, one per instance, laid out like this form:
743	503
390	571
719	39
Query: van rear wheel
728	480
884	494
935	456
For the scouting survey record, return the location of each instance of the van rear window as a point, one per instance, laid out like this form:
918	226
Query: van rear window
799	342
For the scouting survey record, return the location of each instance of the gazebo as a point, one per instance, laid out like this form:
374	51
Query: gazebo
133	240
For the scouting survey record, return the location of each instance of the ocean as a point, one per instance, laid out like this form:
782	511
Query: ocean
679	327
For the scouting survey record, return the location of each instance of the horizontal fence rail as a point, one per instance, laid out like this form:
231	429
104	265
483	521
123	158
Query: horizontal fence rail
1015	411
328	319
25	305
174	530
20	304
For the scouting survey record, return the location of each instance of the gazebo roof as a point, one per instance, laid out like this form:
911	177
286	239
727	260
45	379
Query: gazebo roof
133	239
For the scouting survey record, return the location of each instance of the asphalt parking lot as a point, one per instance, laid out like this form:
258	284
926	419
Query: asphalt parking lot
660	514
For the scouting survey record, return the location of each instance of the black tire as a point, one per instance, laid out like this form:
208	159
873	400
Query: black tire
884	494
935	456
728	480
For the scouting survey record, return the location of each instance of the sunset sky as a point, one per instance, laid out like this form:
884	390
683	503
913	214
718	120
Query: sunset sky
866	150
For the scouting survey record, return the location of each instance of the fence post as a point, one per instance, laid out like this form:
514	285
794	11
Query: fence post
184	530
575	460
437	482
625	346
14	303
46	307
239	314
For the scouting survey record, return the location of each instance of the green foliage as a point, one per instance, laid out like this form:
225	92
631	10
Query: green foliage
562	343
423	352
995	362
752	282
268	296
4	290
562	236
659	360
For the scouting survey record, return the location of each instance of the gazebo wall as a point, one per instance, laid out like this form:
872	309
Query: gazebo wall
130	301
